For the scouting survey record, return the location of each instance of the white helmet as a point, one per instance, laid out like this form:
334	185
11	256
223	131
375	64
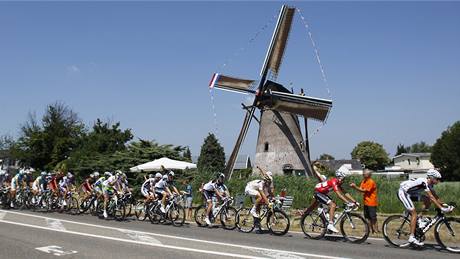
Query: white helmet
158	175
433	173
171	173
342	172
107	174
165	177
96	174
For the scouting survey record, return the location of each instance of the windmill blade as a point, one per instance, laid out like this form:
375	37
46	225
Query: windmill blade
278	43
244	130
309	107
232	84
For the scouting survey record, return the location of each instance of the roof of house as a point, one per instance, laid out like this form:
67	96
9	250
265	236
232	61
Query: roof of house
242	161
336	164
413	155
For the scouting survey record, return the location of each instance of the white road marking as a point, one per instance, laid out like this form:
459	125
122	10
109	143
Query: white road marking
276	255
56	250
185	238
2	214
135	242
141	237
55	224
370	238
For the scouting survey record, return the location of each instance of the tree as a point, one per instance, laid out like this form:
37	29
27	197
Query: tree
44	146
187	155
446	153
420	147
402	149
212	156
371	154
326	157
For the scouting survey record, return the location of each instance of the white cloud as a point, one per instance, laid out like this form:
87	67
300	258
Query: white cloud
73	69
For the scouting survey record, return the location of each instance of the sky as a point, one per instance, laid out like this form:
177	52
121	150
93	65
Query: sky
393	68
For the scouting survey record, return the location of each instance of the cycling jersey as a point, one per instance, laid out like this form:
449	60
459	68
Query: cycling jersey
148	186
86	186
415	185
161	185
326	186
40	183
253	187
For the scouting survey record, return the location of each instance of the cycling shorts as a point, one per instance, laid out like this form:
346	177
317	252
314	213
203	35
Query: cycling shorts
146	192
405	199
322	198
251	192
208	195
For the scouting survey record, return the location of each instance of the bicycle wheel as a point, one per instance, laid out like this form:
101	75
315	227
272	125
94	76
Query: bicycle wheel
354	228
313	225
73	206
396	230
447	234
228	218
119	211
154	213
140	210
200	215
278	222
177	215
244	220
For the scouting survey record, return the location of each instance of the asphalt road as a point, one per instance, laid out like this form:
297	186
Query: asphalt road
26	234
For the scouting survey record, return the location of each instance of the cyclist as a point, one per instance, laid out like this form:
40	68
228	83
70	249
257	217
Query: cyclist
261	190
213	188
55	179
4	178
323	188
148	187
66	184
109	187
39	185
165	189
414	187
17	182
87	185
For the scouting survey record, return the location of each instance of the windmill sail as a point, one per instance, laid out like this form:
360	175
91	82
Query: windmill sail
309	107
278	43
233	84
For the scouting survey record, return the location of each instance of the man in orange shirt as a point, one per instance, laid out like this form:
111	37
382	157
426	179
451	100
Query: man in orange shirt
369	190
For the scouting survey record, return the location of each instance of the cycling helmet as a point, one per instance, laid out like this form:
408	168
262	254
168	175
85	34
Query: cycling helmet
150	176
69	175
171	173
91	175
96	174
342	172
118	172
158	175
29	171
433	173
165	177
107	174
43	173
268	176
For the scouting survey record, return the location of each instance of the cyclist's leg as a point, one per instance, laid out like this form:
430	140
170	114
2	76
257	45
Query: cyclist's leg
405	199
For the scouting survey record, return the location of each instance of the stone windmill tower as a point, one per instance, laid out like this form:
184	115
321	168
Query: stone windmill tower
281	148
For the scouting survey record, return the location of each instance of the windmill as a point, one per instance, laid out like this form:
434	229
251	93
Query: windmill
280	145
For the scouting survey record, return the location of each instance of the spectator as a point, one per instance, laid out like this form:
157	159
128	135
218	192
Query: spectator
189	199
369	190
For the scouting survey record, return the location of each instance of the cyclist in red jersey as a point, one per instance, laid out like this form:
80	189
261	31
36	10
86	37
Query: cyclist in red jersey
324	187
87	185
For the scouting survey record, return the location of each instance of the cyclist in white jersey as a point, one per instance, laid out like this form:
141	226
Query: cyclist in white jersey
261	190
414	186
109	187
148	187
212	189
165	189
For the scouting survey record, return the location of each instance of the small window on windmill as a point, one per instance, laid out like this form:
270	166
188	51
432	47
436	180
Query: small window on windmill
288	169
266	147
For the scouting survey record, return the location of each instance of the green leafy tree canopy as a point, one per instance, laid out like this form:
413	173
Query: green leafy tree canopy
212	156
371	154
446	153
326	157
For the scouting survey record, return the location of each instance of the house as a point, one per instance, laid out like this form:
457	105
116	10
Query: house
416	164
7	163
354	165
